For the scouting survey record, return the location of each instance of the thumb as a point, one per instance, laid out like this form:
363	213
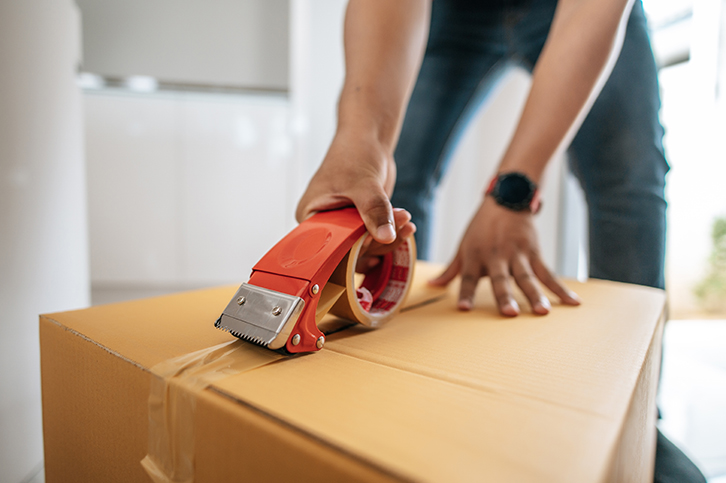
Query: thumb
377	214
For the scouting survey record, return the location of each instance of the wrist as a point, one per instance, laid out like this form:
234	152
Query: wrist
365	115
519	159
363	136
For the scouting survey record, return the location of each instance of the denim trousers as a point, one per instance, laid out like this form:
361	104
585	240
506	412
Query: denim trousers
617	155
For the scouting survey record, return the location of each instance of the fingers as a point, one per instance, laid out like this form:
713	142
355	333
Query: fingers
374	207
404	229
470	274
566	295
499	275
402	232
401	217
522	273
371	250
377	214
525	273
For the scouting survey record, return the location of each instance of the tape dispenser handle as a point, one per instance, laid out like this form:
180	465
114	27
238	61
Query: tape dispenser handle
301	264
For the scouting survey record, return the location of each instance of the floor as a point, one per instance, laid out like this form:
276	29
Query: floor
693	392
692	395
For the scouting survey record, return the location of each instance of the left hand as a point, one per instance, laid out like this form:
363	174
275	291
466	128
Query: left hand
502	244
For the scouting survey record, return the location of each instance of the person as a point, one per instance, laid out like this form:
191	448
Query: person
415	74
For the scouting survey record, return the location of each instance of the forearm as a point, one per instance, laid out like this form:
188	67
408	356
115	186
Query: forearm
581	49
384	43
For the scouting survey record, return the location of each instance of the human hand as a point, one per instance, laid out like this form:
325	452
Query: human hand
502	244
371	250
358	171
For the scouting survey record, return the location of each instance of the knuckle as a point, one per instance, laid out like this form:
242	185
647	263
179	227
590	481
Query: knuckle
469	278
378	206
522	275
499	278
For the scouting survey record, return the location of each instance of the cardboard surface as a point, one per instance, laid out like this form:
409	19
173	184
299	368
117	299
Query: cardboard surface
435	395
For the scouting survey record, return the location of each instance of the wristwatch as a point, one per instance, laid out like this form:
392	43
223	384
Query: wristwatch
515	191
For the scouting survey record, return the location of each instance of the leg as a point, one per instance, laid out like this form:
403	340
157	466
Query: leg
459	67
618	157
672	466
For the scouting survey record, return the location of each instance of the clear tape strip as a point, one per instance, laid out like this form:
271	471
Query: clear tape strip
175	385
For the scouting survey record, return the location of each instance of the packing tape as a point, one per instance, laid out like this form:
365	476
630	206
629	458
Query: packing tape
176	382
172	400
382	293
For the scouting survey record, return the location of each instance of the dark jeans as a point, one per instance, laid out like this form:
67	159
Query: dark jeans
617	155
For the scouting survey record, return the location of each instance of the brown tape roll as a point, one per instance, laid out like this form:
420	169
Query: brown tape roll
389	297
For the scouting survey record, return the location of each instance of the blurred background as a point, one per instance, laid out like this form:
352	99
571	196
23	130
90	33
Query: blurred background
151	147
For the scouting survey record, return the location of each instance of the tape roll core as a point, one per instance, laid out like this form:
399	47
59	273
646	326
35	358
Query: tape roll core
390	291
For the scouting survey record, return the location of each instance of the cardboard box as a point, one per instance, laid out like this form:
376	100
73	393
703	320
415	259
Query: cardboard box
435	395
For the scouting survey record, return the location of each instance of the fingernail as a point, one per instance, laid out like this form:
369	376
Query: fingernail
510	308
386	232
541	306
465	304
574	296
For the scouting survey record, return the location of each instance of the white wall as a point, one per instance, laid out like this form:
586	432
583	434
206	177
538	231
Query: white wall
43	245
316	78
211	42
185	189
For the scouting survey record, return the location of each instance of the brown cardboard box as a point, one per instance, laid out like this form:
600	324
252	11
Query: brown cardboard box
435	395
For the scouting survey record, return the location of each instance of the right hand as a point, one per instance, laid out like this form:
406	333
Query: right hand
358	171
502	244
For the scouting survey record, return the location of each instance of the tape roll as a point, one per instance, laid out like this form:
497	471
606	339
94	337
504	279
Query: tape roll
383	290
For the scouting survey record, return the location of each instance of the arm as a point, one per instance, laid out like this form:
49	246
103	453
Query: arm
582	47
384	43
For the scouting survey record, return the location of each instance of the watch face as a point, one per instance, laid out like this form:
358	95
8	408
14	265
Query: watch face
515	191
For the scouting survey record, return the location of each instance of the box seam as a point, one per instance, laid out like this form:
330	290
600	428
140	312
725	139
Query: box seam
485	389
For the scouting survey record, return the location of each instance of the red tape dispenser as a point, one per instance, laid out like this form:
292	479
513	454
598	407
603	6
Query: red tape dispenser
311	272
